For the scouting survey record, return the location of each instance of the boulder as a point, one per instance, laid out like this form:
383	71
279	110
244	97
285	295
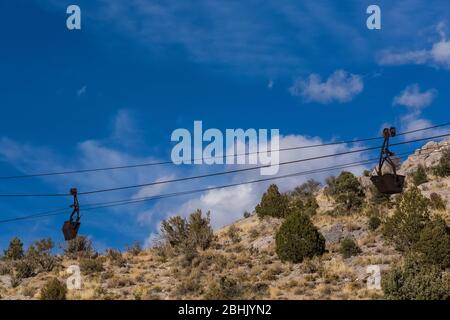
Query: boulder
333	234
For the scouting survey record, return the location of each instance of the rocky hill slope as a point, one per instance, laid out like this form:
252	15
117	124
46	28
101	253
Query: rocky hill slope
243	262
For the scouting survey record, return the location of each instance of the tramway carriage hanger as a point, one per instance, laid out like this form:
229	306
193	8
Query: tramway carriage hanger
70	227
387	183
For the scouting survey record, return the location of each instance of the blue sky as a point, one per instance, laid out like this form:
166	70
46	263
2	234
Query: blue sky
112	93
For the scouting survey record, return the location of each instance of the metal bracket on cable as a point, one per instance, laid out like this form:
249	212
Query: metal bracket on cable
70	227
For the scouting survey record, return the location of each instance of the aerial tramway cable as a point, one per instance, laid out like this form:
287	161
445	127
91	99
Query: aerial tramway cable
79	171
109	204
217	173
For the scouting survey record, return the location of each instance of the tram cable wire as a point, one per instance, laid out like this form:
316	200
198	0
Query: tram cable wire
217	173
109	204
157	163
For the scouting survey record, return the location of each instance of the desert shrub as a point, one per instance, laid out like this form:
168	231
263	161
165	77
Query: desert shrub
420	176
194	233
273	204
200	233
44	245
260	289
411	215
272	273
90	266
28	291
348	248
188	254
115	257
254	233
139	293
40	256
416	280
443	168
330	186
135	249
296	204
15	250
374	222
437	202
54	289
377	198
434	243
120	282
15	281
189	285
5	268
372	210
25	268
310	206
347	192
247	214
174	231
298	239
307	205
163	251
224	289
79	247
233	234
307	189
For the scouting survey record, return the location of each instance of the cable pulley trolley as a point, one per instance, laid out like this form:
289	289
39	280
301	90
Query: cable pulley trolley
388	183
70	227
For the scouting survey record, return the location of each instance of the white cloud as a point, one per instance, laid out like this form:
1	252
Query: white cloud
437	56
339	87
26	157
440	54
414	121
125	131
387	57
226	205
154	190
415	101
412	97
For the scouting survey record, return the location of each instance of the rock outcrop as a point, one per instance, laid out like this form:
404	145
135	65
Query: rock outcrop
428	156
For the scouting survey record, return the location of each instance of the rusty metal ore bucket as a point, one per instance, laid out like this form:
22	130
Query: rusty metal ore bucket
70	230
389	183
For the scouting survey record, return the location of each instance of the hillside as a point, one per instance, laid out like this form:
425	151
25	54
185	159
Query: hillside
242	262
